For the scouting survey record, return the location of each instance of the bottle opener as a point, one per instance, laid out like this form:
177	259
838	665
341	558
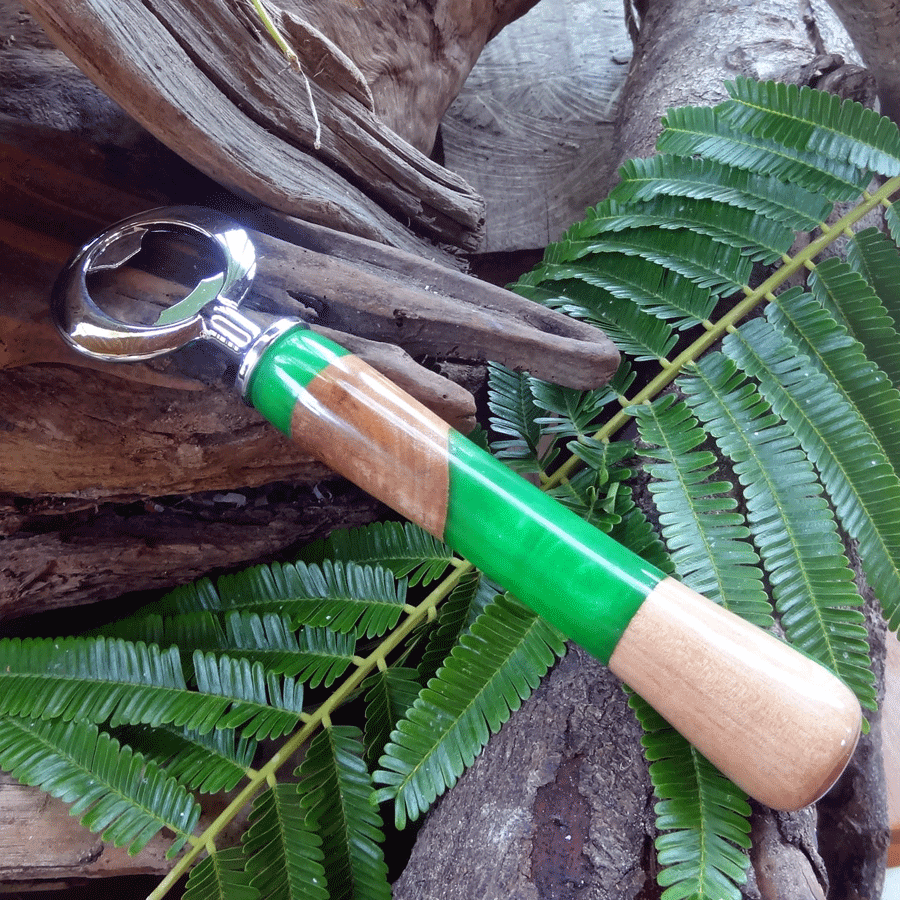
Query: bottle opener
780	725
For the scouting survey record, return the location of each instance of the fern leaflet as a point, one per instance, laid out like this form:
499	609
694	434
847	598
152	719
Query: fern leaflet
283	854
116	791
495	666
336	787
220	876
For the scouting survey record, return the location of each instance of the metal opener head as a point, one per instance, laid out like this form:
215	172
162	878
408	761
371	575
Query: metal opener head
210	311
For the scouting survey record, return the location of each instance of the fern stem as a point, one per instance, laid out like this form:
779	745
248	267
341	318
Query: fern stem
320	718
716	331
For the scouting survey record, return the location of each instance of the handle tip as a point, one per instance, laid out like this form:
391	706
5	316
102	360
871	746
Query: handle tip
780	725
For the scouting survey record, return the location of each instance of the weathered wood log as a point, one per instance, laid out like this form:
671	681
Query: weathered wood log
309	140
533	129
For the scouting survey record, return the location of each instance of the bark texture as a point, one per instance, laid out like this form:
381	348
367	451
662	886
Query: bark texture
315	139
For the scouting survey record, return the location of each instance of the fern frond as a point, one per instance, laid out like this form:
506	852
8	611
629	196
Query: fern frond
708	263
590	493
703	131
760	239
705	817
576	413
208	763
876	257
220	876
706	179
864	489
834	352
706	536
283	854
656	290
114	790
633	331
811	581
389	693
342	596
493	668
513	413
262	705
336	788
851	300
312	655
457	612
815	121
99	679
404	548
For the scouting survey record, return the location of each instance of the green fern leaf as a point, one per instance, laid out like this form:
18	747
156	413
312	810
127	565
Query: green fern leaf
114	790
705	179
283	853
208	763
705	817
488	674
262	705
718	267
389	693
197	595
815	121
706	536
404	548
590	493
811	581
864	489
514	414
337	789
576	413
312	655
657	291
99	679
220	876
467	599
342	596
704	131
851	300
876	257
834	352
633	331
760	239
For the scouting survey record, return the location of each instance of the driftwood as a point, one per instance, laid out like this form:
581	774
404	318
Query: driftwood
326	140
534	127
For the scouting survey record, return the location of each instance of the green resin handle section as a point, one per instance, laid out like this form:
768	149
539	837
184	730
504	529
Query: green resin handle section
362	426
572	574
285	369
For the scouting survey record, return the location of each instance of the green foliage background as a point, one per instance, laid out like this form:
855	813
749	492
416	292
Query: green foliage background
772	449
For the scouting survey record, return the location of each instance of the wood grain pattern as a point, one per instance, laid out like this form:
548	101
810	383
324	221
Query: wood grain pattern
779	725
361	425
534	127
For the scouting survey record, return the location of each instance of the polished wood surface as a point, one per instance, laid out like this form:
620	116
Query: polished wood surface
778	724
361	425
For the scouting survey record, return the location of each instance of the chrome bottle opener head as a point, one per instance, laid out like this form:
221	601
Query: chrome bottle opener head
210	311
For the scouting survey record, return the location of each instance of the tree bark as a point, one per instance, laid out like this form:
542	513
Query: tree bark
310	140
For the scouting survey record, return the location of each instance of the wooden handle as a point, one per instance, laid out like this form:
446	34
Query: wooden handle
779	724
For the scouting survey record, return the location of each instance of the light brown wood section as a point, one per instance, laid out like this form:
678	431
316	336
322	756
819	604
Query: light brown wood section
383	440
778	724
